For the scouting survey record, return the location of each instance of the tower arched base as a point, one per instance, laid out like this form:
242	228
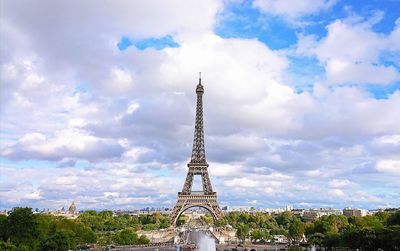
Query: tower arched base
186	201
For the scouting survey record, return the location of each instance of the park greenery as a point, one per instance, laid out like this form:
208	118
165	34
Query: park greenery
381	230
24	230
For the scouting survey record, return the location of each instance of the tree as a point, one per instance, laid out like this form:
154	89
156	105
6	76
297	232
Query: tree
316	239
394	219
267	235
256	235
126	237
84	234
45	225
143	240
371	221
93	220
332	240
368	238
382	216
284	219
181	220
351	237
22	228
296	230
105	214
242	232
3	228
7	246
322	226
60	241
220	222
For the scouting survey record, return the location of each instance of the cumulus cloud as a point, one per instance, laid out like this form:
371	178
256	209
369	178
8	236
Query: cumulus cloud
69	96
351	53
105	186
65	144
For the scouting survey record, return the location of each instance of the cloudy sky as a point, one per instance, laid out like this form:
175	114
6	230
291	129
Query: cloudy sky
301	104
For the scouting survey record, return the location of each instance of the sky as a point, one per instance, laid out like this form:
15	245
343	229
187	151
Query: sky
301	102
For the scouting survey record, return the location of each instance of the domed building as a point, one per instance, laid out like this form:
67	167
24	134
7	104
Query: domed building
72	209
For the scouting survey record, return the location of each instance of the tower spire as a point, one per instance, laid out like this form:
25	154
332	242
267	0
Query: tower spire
199	77
198	151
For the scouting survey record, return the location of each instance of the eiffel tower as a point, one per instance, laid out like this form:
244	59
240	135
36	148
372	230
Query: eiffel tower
197	166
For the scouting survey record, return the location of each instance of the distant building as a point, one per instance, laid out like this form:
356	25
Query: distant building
72	212
298	211
280	239
72	209
349	212
311	214
225	208
289	208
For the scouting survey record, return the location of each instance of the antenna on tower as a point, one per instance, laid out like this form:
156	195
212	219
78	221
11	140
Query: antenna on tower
199	77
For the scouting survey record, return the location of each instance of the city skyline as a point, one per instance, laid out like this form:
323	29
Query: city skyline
98	102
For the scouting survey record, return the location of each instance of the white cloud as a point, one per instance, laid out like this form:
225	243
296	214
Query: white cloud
224	169
337	193
69	96
72	143
388	166
394	37
293	9
351	53
119	81
340	183
108	186
393	140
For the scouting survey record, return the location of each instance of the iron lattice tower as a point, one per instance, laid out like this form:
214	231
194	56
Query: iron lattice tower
197	166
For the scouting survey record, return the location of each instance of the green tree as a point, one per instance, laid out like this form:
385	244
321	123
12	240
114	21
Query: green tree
296	230
181	220
242	232
393	237
382	216
284	219
322	226
266	235
60	241
351	237
279	231
150	226
256	235
394	219
105	214
126	237
7	246
45	225
316	239
220	222
3	228
143	240
22	228
84	234
371	221
332	240
368	239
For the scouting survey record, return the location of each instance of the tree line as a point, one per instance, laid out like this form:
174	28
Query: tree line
381	230
22	230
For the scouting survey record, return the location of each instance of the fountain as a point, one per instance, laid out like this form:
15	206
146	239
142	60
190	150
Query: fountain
206	243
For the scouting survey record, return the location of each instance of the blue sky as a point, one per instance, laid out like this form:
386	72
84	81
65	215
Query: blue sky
301	102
